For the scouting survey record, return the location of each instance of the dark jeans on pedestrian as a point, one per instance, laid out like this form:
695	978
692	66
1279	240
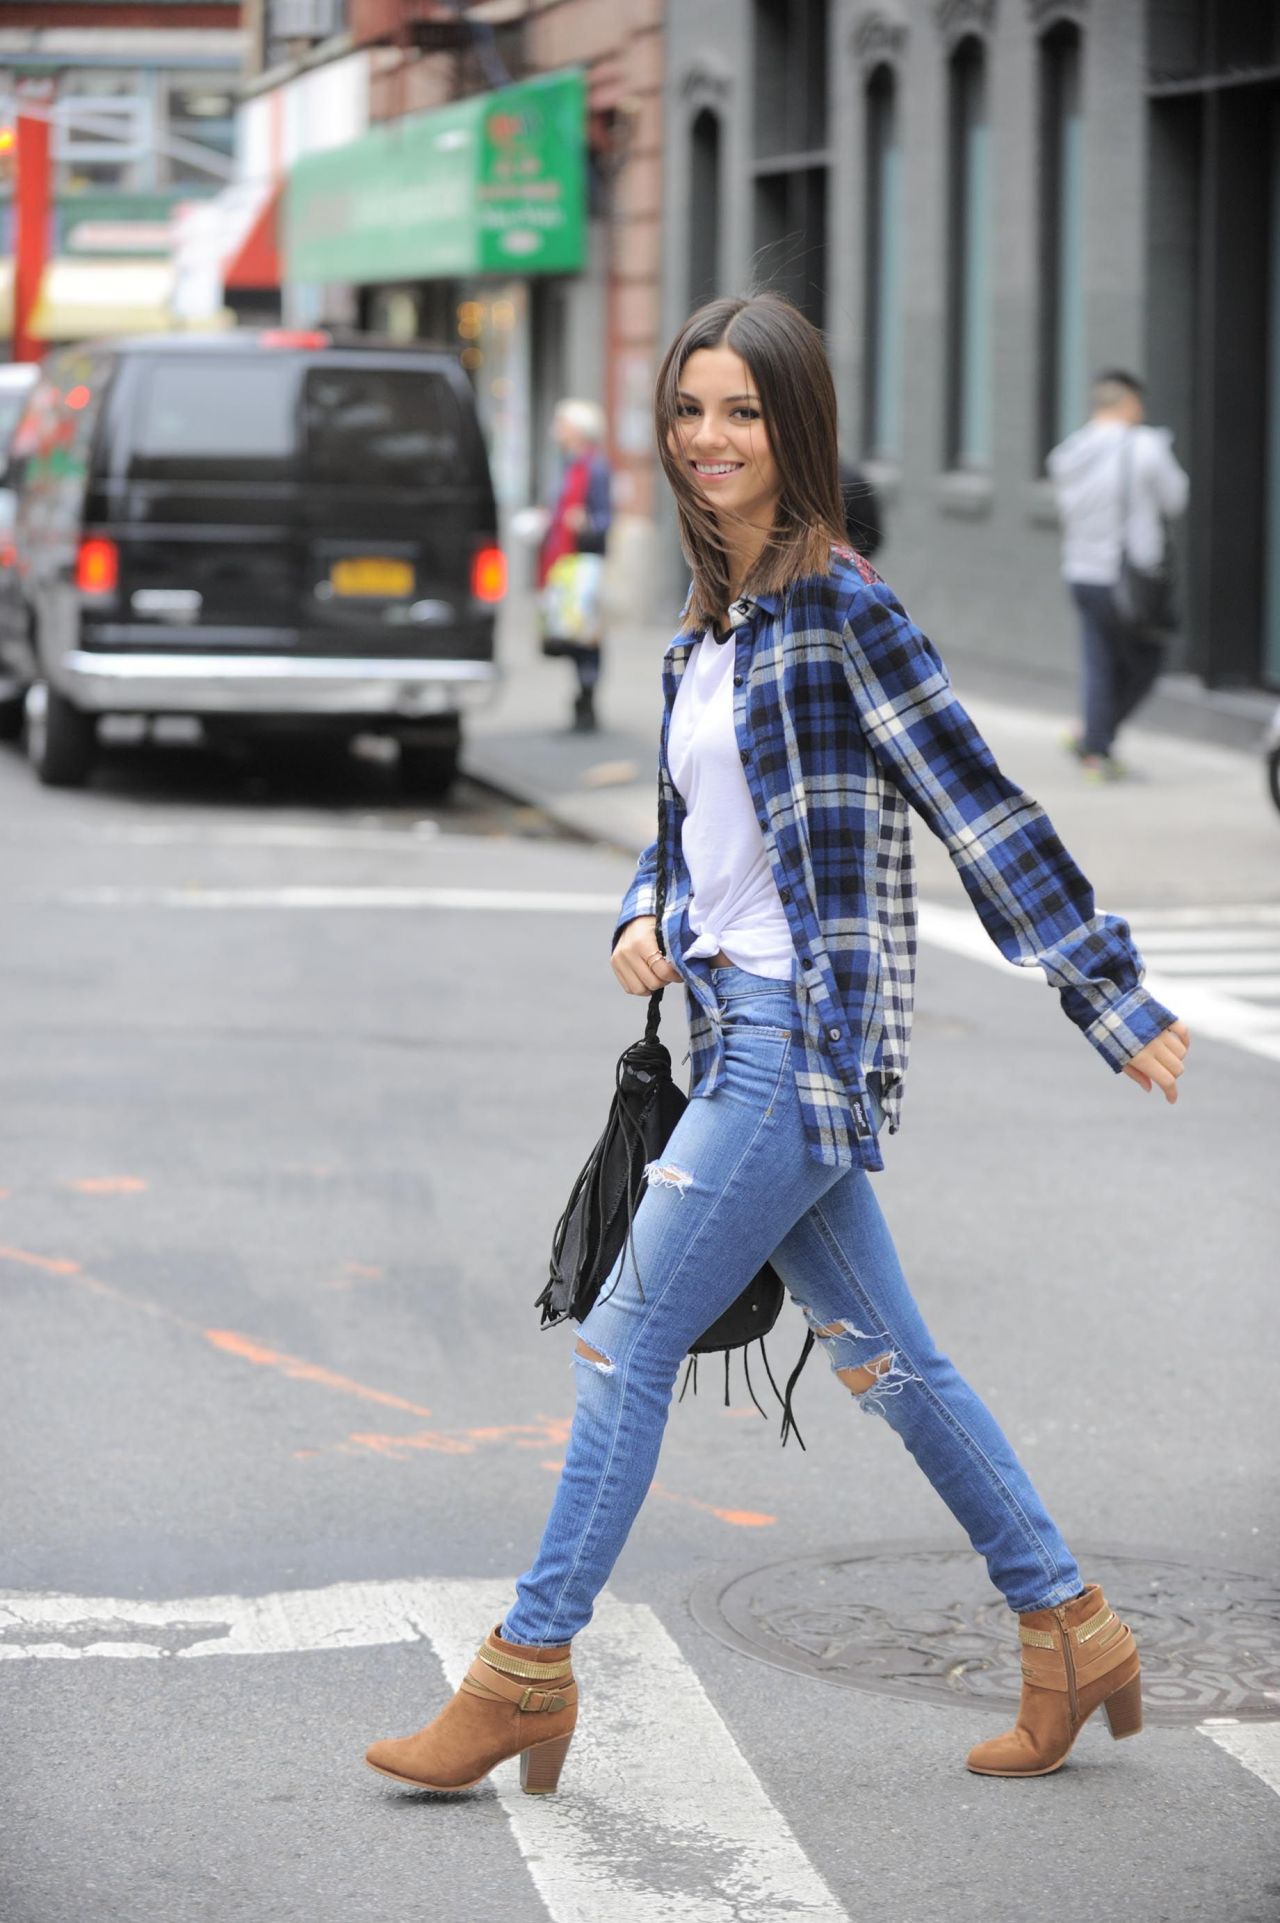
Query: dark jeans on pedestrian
586	661
1120	666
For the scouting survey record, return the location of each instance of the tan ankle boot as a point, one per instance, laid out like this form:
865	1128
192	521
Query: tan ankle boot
513	1702
1075	1659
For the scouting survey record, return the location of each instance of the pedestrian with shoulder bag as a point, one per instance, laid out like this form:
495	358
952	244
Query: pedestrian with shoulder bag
805	716
571	555
1118	486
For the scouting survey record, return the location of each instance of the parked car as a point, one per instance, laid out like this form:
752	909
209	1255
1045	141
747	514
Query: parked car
17	378
271	530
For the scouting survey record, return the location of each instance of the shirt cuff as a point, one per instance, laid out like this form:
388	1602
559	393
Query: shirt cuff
1121	1031
640	899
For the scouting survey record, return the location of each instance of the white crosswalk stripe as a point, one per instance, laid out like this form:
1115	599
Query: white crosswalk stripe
1228	957
1218	968
675	1789
652	1750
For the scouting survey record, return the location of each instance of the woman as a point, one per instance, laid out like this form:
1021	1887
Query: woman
804	712
579	524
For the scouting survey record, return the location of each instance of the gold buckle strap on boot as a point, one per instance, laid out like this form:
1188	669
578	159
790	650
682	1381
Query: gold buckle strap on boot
495	1687
1083	1631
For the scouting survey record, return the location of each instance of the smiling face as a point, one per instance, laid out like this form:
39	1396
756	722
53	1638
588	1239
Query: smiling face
721	437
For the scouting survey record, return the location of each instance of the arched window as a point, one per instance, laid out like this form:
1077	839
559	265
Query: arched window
703	280
789	135
969	260
1063	375
882	319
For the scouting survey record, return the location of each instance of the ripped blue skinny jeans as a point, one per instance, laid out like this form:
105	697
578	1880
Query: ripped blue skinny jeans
735	1186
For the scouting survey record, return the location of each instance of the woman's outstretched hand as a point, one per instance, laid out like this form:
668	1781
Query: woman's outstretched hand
1161	1062
638	962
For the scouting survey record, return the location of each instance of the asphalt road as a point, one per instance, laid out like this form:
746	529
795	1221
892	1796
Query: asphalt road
282	1139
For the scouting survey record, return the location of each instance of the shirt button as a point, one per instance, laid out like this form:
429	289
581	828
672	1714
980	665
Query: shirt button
833	1034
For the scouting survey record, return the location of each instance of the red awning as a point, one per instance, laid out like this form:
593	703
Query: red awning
256	261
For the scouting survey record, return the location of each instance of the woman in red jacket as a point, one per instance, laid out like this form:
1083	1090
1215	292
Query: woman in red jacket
578	526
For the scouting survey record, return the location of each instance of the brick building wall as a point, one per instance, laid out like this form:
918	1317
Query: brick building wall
614	336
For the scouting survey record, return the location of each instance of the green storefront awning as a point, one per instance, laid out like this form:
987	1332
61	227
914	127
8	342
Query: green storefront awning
493	184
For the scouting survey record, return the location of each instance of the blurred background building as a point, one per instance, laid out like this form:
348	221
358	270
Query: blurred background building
980	201
485	174
143	103
982	204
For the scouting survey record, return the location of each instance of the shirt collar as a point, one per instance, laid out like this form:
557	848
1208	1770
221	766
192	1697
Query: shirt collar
740	613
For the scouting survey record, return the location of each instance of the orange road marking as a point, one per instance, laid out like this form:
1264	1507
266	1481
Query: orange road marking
551	1430
52	1264
299	1371
108	1185
465	1442
740	1518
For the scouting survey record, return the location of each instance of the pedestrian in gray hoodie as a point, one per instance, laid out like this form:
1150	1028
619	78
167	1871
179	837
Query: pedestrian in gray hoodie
1117	483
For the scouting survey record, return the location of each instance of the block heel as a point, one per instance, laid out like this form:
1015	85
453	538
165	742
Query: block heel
1124	1709
1076	1658
540	1766
515	1700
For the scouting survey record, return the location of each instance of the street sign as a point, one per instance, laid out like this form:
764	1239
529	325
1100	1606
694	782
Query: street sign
494	184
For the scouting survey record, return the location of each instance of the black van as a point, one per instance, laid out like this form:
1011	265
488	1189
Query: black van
269	529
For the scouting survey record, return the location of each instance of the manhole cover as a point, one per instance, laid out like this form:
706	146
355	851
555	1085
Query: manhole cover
907	1620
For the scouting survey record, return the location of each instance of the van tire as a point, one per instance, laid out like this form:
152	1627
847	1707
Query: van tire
428	769
60	738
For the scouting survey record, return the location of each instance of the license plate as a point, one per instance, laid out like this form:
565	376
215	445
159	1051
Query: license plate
373	576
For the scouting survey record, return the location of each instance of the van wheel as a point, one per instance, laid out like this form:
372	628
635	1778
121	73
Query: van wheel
60	738
428	769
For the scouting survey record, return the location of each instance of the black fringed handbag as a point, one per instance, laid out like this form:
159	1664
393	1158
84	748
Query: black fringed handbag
597	1220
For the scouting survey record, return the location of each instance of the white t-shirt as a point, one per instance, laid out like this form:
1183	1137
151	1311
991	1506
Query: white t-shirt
735	904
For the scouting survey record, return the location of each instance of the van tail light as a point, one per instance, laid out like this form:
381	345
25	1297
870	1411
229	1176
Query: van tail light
488	574
98	566
295	337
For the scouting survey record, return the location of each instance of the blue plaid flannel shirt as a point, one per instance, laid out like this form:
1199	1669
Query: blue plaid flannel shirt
845	717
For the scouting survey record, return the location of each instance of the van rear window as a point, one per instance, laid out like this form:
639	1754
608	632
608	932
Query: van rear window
199	416
380	426
278	418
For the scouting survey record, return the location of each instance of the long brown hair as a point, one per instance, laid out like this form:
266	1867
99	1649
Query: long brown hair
789	365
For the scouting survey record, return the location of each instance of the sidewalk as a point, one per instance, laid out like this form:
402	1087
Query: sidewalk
1193	826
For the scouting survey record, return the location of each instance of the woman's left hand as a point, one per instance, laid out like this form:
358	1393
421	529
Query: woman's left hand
1162	1061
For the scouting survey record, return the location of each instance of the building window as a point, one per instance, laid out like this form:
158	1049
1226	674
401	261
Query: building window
197	110
969	267
103	131
1063	377
790	76
882	319
704	209
791	158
